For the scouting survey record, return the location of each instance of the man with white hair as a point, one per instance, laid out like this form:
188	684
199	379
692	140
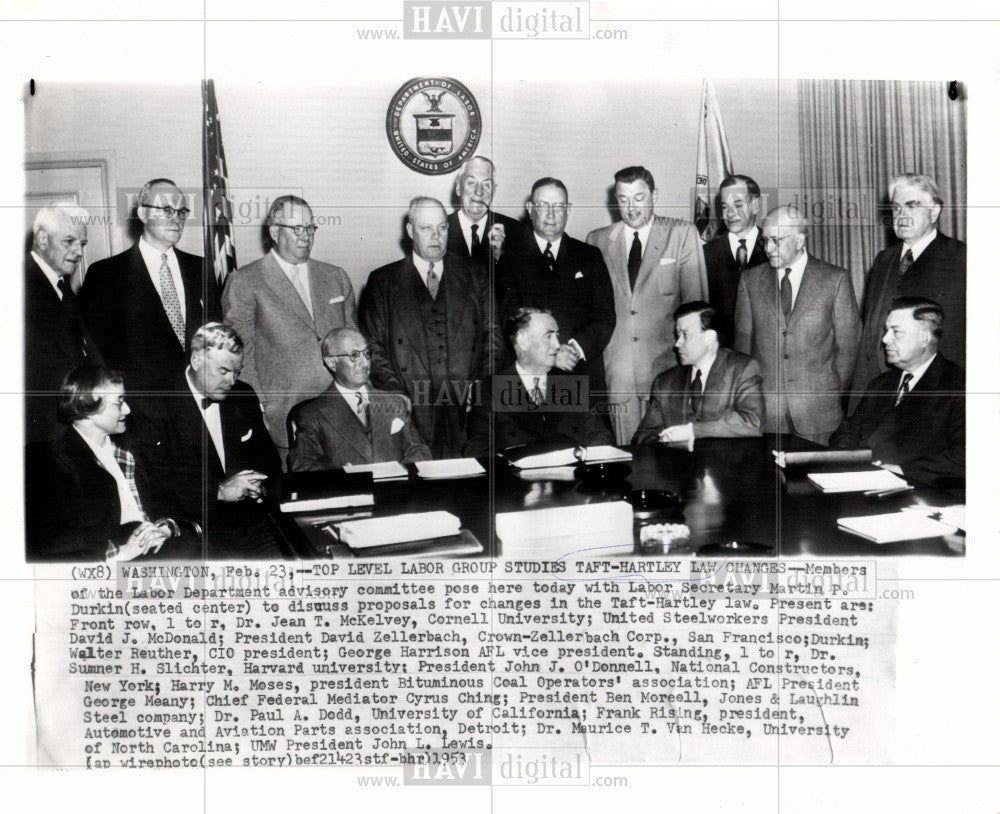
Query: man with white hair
797	316
474	230
431	322
923	263
56	340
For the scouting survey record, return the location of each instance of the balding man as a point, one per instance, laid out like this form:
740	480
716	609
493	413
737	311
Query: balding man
923	263
282	306
144	305
474	230
797	316
56	340
352	422
431	322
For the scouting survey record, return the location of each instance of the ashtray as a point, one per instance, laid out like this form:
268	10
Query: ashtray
650	503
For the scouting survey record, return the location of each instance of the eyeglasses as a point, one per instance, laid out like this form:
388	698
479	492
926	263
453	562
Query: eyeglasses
169	211
776	240
299	230
550	209
354	355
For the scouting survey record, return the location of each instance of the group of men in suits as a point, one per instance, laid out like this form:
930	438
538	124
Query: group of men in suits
617	311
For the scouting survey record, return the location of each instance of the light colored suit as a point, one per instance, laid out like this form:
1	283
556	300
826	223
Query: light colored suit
807	362
282	360
672	273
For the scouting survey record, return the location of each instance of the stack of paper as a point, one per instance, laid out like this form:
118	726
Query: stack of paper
401	528
387	470
450	468
564	457
865	481
894	527
321	504
593	529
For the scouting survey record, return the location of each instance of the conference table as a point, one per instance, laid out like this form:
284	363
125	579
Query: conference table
729	489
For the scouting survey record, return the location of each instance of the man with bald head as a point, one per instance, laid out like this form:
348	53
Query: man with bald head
474	230
431	322
56	340
351	422
282	306
798	318
144	305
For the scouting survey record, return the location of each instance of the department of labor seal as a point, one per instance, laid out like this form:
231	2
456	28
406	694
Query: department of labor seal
433	125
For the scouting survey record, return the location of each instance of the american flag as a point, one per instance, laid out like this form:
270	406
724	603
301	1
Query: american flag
710	129
219	248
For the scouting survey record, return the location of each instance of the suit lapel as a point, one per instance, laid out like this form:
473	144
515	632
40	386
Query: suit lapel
46	307
810	289
146	291
348	424
768	289
281	286
456	288
194	306
616	268
651	252
409	288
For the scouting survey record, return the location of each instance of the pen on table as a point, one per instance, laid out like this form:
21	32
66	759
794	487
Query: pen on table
883	493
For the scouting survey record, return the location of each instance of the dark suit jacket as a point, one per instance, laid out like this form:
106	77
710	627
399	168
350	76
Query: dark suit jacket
724	278
516	420
924	435
51	350
127	320
401	355
732	405
71	501
807	360
579	295
329	433
939	275
170	438
483	255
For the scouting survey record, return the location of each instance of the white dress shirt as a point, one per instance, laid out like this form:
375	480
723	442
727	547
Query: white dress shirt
105	453
915	375
424	267
798	267
630	236
351	397
466	223
212	418
528	380
918	246
750	238
50	275
153	258
544	241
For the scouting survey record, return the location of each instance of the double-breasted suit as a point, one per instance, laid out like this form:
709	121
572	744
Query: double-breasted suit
330	434
431	350
807	360
126	317
732	403
724	278
282	357
642	345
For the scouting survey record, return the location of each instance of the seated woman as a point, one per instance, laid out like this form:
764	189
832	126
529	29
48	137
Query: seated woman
85	497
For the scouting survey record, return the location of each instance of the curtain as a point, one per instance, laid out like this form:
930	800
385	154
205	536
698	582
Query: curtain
855	136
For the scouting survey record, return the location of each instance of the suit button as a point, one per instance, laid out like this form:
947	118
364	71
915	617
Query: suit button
786	355
402	370
635	338
784	333
633	313
400	340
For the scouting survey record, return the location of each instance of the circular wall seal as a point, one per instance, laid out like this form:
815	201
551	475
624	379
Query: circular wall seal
433	125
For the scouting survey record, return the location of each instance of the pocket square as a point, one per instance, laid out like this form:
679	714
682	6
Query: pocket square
336	300
396	426
578	275
247	436
665	261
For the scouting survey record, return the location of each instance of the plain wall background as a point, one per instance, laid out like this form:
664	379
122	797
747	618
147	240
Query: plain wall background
328	144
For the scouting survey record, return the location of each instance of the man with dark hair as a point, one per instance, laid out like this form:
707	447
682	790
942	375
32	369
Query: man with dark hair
431	322
924	263
716	392
736	249
207	443
913	417
352	422
526	403
56	340
144	305
282	305
798	318
474	230
655	264
549	269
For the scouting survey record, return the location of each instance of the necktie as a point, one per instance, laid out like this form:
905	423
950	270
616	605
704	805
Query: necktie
475	239
695	399
171	303
126	461
634	260
786	293
360	409
536	395
206	402
433	282
549	257
300	289
69	304
904	388
741	254
905	262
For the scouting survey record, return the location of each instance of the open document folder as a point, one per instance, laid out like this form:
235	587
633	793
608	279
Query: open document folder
528	456
895	527
400	528
593	529
384	470
878	480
